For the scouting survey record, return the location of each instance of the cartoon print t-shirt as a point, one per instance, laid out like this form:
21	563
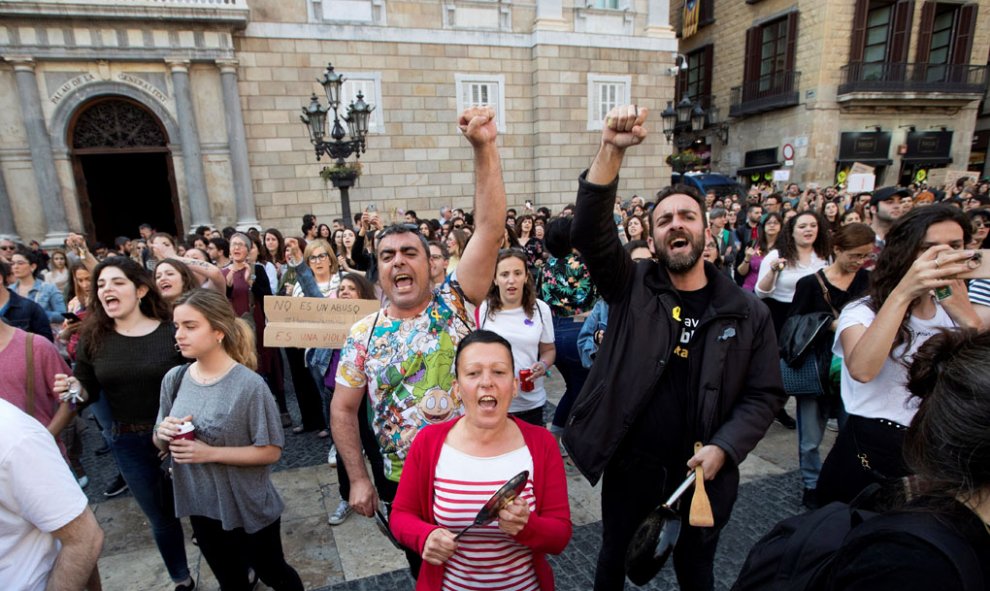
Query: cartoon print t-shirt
408	367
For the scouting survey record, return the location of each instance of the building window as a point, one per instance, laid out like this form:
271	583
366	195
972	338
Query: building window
369	84
482	91
945	40
370	12
881	33
770	55
606	4
696	82
604	94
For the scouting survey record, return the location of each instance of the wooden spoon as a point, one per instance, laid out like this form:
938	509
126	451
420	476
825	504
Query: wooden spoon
701	507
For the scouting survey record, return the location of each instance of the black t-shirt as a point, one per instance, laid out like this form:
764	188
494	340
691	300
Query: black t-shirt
665	430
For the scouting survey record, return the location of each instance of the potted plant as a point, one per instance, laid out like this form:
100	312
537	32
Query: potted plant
341	174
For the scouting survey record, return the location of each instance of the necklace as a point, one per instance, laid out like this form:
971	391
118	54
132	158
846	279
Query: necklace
207	381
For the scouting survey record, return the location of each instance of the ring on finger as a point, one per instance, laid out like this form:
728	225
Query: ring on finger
936	263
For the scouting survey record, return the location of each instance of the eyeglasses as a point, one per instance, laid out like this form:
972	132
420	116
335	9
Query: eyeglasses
437	257
979	225
859	257
7	247
318	257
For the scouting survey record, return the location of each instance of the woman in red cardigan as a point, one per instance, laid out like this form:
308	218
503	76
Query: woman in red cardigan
454	467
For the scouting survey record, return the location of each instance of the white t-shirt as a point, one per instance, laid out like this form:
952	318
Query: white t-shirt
525	335
885	396
783	290
38	495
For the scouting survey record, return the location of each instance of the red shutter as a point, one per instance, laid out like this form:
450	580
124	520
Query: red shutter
754	48
859	31
925	32
901	38
965	27
706	83
792	33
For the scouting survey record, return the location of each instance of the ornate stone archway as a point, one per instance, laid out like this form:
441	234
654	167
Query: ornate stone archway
122	165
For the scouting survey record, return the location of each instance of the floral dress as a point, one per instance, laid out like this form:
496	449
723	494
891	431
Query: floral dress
567	286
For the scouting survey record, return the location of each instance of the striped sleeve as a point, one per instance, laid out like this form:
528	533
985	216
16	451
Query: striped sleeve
979	292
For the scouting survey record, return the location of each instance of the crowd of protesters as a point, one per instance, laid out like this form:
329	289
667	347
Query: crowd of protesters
681	318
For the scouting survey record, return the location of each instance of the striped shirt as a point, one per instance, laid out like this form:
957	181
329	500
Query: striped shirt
979	292
486	557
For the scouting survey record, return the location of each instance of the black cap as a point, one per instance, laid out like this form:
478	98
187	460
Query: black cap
885	193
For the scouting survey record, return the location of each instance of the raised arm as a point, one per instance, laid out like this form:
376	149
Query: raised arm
204	271
477	266
593	229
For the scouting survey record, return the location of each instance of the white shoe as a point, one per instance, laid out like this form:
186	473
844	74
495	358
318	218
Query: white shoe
343	510
332	456
83	481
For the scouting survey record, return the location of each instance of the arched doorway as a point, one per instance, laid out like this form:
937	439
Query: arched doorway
123	169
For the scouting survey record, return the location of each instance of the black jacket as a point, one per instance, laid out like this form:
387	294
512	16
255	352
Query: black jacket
26	315
740	388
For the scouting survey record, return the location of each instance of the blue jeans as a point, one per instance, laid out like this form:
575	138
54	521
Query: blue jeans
568	363
137	459
101	410
812	415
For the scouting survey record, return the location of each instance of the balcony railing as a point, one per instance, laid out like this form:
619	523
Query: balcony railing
766	93
225	11
912	78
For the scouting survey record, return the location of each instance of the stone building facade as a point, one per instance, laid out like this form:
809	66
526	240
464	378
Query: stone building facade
813	86
186	112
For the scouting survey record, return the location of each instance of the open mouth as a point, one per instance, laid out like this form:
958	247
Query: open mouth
488	402
403	281
678	243
165	287
111	303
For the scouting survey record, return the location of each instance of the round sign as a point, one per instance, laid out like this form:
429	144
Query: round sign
841	177
788	152
920	176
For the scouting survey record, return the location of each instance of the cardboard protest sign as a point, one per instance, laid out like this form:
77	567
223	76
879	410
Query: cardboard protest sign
860	183
322	323
860	168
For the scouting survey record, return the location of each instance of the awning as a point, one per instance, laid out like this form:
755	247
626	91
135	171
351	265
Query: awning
867	161
926	160
746	171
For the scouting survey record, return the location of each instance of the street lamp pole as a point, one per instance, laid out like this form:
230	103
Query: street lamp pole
314	117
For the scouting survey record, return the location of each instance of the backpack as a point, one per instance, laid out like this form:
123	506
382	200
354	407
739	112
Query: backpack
798	552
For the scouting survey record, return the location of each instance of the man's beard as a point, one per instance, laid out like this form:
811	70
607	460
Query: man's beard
682	262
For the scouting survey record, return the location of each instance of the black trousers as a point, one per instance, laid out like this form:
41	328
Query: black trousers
533	416
229	553
386	492
631	488
307	395
866	451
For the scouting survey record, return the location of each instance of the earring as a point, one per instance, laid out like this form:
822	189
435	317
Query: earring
177	347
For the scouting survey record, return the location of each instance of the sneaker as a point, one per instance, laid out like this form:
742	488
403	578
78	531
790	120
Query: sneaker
332	456
118	487
83	481
832	425
343	510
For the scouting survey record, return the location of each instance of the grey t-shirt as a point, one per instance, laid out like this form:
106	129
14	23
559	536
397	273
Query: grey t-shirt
236	411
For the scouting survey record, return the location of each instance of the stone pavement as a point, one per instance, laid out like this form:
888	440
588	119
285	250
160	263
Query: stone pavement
356	556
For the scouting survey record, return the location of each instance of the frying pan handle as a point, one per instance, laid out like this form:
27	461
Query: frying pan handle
681	489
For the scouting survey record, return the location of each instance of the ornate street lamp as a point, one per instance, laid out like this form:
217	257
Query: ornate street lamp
314	117
684	111
669	116
697	117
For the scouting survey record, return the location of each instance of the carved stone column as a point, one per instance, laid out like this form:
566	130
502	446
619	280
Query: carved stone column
239	165
192	153
43	164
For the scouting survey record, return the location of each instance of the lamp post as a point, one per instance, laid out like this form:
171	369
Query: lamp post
314	117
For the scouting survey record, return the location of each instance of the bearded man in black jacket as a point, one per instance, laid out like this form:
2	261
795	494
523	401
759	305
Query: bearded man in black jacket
688	356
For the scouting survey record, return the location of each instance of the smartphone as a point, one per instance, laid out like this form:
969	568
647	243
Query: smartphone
371	207
71	317
979	266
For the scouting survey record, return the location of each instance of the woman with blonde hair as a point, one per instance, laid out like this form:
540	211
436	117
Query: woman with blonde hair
221	475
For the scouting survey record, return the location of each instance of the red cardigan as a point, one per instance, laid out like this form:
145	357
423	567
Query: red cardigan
547	532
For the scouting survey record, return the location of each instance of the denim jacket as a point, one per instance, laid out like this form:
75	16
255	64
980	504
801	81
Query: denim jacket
48	297
318	359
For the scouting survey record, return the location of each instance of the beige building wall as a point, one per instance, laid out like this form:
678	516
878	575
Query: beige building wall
814	126
543	53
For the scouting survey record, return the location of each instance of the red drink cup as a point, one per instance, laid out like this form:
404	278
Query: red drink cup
186	431
526	380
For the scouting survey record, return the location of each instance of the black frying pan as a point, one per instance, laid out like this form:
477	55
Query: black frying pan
655	538
501	499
